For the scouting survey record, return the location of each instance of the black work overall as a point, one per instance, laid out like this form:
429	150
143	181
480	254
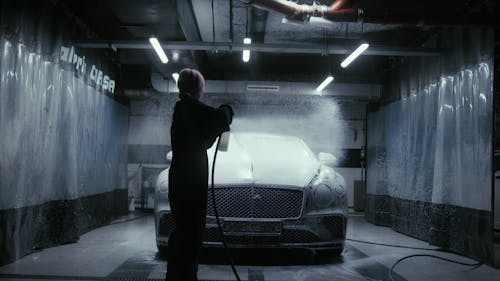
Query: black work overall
195	127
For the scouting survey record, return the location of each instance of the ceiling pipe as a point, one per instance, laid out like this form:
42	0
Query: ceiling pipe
304	12
430	18
335	13
292	8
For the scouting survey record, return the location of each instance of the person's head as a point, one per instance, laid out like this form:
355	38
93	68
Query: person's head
191	83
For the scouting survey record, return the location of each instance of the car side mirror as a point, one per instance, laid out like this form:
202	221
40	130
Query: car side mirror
327	158
224	141
169	156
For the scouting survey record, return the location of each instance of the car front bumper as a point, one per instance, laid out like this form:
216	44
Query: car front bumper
318	232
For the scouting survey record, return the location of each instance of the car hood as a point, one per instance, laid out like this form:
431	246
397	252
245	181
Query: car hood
238	166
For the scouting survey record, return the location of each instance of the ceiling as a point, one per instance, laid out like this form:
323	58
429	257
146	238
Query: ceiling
226	21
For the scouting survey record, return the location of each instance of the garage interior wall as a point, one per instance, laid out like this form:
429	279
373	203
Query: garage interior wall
430	147
63	143
321	122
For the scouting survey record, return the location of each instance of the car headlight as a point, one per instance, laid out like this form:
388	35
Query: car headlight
339	190
162	184
323	195
163	188
161	199
326	191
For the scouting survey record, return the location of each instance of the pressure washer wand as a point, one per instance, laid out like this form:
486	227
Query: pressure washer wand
214	203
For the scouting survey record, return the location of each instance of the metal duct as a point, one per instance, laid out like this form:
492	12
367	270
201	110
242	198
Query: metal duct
258	25
366	92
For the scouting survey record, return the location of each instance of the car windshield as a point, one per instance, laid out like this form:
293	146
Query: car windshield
271	148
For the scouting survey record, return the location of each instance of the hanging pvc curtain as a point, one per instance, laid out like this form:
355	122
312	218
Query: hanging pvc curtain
430	149
63	142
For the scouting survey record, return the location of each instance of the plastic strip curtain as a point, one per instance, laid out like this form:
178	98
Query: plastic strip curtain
61	139
63	144
430	151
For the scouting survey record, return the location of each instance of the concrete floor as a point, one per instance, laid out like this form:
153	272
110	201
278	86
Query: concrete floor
127	251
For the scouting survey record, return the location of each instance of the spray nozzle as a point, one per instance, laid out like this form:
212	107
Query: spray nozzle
224	141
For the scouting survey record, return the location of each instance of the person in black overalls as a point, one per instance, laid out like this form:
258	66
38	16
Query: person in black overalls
195	127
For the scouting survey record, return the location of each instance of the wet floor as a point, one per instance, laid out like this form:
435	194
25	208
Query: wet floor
127	251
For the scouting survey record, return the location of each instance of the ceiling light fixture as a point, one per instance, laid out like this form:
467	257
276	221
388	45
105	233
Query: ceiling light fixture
325	83
246	52
175	75
159	50
354	54
175	56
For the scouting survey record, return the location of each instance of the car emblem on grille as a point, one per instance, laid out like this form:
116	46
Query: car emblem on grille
257	196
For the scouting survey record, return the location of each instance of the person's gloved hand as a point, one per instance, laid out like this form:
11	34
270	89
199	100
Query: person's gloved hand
228	111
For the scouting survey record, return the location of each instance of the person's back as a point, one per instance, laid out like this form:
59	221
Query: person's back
195	127
189	154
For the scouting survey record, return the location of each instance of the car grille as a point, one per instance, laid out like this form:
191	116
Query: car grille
335	224
256	202
166	225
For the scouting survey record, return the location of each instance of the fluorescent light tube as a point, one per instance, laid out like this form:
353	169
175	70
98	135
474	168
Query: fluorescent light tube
354	54
159	50
246	53
325	83
175	75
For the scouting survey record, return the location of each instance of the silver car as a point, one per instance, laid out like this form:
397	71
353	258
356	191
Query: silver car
270	191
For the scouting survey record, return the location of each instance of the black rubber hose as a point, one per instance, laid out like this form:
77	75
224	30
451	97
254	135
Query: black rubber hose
391	277
214	204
